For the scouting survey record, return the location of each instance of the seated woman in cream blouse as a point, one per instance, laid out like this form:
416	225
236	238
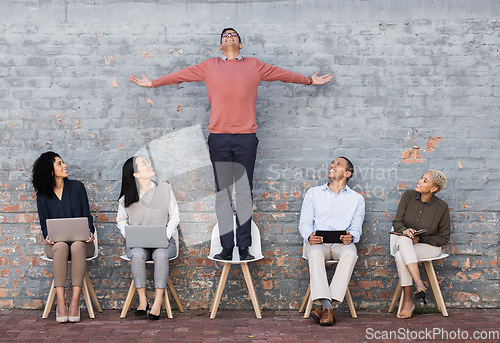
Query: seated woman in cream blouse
420	209
145	202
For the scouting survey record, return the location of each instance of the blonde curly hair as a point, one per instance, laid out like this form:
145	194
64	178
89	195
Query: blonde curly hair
439	179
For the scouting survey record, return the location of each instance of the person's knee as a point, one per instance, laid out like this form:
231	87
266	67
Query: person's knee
138	254
60	248
315	253
349	254
403	240
77	246
160	255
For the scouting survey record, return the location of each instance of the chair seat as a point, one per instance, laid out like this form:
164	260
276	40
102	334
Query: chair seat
255	249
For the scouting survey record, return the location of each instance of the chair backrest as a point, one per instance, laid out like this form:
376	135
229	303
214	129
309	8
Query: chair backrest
255	249
392	243
175	236
96	247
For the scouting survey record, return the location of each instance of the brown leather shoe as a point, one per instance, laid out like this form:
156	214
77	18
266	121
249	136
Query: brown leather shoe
328	318
317	313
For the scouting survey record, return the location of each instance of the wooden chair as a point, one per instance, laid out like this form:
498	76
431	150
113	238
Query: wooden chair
431	277
132	289
87	288
255	250
307	301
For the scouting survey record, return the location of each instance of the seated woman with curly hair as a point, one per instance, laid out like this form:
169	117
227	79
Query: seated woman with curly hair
59	197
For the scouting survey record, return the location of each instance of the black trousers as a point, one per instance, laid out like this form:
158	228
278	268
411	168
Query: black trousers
233	160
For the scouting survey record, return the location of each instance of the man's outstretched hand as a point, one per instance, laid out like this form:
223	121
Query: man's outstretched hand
144	82
319	80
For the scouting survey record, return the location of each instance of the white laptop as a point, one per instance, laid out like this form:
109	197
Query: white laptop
146	236
68	229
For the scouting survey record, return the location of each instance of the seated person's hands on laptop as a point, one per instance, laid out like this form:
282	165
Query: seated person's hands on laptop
91	239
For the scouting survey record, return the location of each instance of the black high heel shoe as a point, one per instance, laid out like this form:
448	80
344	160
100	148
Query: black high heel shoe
153	316
142	313
421	294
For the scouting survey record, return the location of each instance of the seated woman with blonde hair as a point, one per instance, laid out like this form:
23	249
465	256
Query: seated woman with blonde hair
420	209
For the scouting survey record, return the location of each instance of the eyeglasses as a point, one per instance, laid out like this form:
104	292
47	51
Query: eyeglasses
232	34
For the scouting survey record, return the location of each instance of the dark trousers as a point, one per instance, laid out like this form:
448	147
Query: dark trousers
233	161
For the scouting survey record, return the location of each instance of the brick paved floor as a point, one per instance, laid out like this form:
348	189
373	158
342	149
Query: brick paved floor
242	326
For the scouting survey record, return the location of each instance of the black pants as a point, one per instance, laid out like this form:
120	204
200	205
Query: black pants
233	160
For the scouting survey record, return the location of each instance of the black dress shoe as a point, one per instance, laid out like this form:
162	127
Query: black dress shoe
245	254
153	316
226	254
142	313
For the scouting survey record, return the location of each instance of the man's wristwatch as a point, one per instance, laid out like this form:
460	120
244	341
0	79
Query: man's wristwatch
310	81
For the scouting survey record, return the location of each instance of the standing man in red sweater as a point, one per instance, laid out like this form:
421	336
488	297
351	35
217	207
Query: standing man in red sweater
232	82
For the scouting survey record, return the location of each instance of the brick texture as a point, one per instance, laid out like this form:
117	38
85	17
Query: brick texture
415	87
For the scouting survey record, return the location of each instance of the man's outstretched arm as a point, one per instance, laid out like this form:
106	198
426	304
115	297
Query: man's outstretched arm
319	80
144	82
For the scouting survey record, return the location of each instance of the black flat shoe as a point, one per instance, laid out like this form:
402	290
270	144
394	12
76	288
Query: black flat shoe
226	254
245	254
153	316
421	294
142	313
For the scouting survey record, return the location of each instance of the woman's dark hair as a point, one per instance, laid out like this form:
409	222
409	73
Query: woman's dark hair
43	179
129	187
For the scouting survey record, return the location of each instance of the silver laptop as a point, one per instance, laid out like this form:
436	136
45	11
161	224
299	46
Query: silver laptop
146	236
68	229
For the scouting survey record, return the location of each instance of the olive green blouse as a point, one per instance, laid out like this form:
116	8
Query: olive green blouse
432	215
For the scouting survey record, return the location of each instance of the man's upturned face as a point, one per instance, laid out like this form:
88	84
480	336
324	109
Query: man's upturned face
230	38
338	169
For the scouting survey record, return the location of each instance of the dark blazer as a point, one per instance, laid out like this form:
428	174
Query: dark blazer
74	203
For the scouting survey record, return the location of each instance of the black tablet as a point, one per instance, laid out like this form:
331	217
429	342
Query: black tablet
331	236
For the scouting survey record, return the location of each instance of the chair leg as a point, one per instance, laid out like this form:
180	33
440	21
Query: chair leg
88	300
435	287
401	302
50	301
350	303
397	292
170	286
432	290
251	290
308	307
92	292
168	308
306	298
220	289
128	300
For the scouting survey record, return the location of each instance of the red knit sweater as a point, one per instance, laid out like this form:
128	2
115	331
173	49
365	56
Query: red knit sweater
232	89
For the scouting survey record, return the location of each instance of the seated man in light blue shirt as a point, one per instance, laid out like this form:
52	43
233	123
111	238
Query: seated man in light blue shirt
331	207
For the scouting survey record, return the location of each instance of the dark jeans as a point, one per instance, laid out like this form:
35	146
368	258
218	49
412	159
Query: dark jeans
233	160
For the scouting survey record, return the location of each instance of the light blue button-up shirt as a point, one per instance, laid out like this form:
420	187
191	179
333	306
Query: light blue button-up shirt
224	58
322	209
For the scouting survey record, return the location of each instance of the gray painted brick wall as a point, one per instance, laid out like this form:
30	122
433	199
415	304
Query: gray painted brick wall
415	87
